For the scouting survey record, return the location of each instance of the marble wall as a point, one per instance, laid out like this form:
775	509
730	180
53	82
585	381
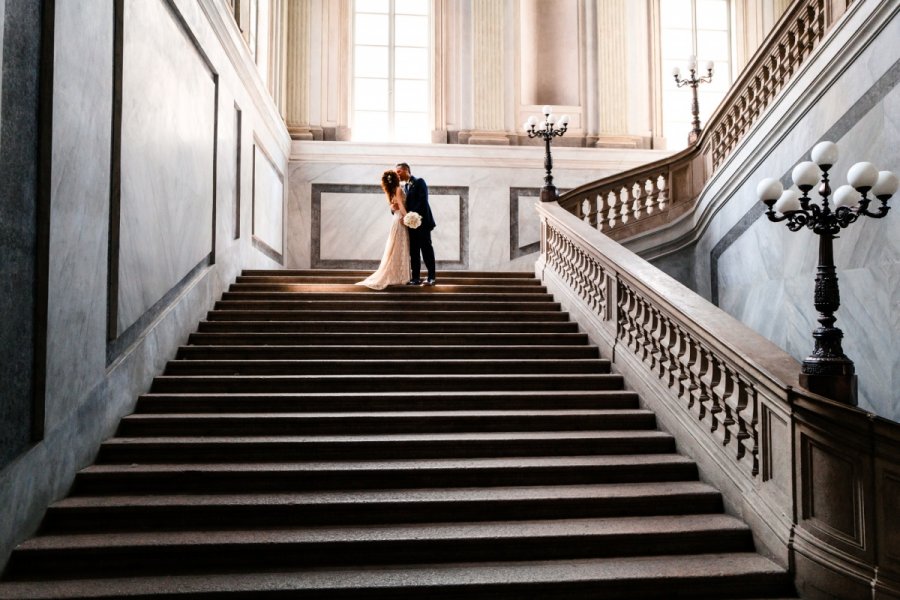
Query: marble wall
338	218
161	127
764	274
167	153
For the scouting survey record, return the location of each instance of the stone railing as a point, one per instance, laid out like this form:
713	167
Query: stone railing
818	482
641	199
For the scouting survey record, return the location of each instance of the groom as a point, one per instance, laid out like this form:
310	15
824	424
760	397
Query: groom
419	238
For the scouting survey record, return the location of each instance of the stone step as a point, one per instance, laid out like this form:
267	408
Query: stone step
198	510
396	326
371	401
697	576
233	478
701	577
429	296
444	280
414	366
383	383
156	553
363	273
385	352
194	449
387	339
264	424
495	317
402	308
324	291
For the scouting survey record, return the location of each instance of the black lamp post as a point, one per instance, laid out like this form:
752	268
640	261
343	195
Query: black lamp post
827	371
693	81
547	129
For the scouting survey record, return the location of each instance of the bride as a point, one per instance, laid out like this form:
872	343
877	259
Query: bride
394	267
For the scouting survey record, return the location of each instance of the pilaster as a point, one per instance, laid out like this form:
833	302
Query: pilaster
296	108
487	72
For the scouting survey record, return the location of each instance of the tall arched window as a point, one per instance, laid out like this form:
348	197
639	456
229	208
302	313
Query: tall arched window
392	71
693	27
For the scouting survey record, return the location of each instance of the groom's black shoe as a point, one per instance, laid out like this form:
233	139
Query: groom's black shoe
429	282
413	282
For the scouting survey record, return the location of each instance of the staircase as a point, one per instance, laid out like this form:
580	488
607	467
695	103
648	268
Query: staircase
319	440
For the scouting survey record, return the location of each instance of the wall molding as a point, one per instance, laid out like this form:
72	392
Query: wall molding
317	262
118	341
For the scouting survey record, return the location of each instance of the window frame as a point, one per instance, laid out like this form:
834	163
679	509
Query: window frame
662	76
391	136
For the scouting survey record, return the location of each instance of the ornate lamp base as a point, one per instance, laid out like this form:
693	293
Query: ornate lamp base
835	379
549	193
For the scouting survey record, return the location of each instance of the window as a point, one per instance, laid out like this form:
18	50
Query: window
392	71
700	28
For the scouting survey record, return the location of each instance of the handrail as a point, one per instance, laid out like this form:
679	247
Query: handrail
815	480
648	197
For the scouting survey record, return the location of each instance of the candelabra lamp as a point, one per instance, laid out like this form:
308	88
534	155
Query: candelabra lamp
694	81
827	371
547	129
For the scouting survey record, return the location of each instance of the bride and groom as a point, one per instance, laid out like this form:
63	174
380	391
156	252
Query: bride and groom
410	234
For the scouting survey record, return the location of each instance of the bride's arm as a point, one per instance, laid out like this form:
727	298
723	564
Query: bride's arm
400	201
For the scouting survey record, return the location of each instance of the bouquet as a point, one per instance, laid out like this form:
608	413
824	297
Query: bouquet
412	220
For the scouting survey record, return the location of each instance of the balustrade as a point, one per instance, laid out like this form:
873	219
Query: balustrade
815	480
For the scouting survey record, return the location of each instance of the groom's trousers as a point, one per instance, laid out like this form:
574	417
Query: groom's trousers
420	244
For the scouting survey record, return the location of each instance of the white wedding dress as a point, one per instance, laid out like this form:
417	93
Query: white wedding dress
394	267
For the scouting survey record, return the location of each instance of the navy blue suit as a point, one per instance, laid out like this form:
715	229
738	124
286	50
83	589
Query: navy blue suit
420	238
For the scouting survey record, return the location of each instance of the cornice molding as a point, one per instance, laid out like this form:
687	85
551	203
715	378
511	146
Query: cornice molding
595	159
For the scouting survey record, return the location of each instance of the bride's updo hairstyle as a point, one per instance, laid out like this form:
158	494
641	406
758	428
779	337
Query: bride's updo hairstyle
389	183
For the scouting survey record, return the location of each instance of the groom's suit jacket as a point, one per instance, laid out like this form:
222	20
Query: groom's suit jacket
417	201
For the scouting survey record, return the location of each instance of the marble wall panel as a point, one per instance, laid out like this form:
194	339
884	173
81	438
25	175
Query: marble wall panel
353	222
355	225
524	224
268	203
79	223
167	156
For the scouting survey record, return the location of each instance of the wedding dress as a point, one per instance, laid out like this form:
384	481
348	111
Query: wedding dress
394	267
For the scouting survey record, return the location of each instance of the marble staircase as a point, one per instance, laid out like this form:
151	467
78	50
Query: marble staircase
315	439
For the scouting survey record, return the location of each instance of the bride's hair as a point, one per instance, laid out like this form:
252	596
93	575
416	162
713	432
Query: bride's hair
389	183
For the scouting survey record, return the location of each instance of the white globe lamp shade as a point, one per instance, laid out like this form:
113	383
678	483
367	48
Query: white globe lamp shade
886	185
862	175
806	175
547	110
846	196
825	153
788	201
769	189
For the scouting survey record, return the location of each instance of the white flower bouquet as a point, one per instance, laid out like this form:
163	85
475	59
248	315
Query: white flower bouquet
412	220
